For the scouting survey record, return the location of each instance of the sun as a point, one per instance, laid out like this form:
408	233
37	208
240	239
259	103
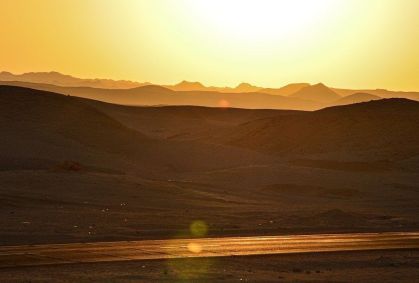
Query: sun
261	19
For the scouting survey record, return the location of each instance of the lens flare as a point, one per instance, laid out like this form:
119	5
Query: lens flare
223	103
194	248
198	228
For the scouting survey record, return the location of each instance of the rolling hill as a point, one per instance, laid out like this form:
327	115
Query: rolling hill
382	129
183	122
156	95
379	92
53	128
356	98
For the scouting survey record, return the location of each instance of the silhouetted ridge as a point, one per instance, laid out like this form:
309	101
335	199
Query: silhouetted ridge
318	92
59	79
152	88
188	86
357	98
389	106
285	90
246	87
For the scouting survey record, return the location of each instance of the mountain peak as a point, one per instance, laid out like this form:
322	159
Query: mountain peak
188	86
318	92
188	83
320	85
246	87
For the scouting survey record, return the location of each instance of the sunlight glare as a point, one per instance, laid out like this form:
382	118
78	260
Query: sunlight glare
261	19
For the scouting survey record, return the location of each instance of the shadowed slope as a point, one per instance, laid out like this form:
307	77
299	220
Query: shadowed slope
182	122
42	125
145	95
377	129
51	127
50	113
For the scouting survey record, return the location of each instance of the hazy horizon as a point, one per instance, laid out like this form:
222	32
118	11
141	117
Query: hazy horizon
204	85
346	44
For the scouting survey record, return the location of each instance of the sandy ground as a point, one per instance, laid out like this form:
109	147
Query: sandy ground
374	266
58	207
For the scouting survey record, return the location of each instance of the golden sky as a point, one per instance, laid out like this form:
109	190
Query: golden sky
342	43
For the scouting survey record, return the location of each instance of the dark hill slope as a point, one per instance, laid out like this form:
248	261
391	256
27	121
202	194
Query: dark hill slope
48	126
377	129
38	125
42	115
183	122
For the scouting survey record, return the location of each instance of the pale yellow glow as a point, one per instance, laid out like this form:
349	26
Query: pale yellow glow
263	20
342	43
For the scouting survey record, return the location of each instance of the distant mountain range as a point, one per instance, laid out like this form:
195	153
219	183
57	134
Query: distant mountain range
197	86
298	96
157	95
357	98
59	79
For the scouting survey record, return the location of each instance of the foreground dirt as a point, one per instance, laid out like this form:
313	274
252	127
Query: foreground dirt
375	266
60	207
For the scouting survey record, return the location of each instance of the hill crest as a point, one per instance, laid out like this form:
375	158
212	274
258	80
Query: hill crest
318	92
